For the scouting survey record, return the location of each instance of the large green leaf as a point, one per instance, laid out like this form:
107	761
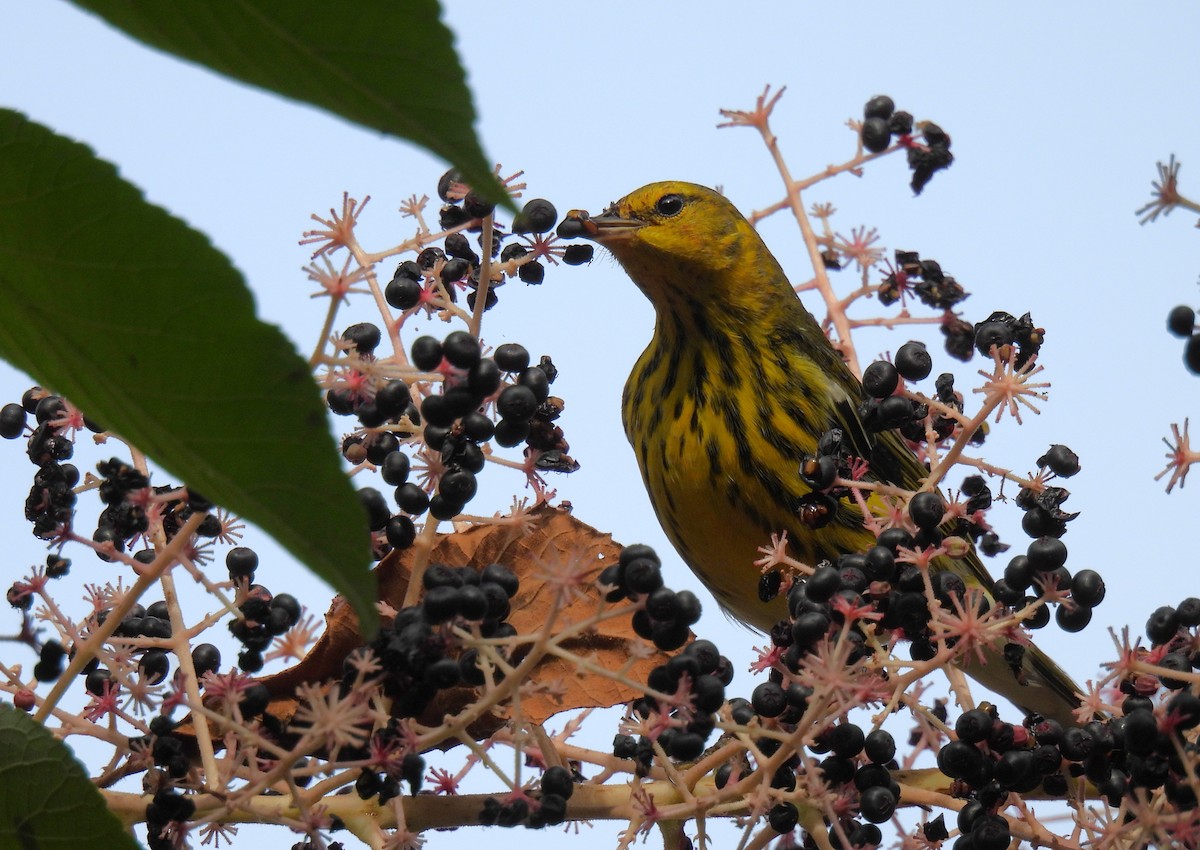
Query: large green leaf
48	801
150	330
385	64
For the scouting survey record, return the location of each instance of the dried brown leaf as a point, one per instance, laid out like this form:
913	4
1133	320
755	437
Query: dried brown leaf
550	537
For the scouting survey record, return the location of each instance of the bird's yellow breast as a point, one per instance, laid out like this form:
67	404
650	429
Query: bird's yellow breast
719	438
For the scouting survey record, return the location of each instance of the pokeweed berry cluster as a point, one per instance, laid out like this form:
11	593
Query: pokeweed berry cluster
667	614
1181	322
924	279
1173	633
128	500
456	266
881	121
388	745
419	652
545	805
856	762
452	423
265	616
1043	566
683	696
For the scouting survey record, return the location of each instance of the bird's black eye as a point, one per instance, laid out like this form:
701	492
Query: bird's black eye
669	205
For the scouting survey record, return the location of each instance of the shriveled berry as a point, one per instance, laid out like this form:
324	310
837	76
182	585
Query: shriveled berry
578	255
532	272
1060	460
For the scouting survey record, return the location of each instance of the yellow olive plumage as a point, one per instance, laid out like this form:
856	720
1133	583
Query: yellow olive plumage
736	386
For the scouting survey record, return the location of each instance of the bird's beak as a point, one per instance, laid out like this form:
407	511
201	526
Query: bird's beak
606	228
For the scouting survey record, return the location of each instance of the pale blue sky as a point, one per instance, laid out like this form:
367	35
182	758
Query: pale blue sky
1058	114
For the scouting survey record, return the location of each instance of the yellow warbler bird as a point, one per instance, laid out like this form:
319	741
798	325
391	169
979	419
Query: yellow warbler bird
736	387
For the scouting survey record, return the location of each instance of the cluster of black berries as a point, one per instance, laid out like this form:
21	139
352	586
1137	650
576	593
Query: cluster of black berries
1181	322
141	622
536	808
1044	563
873	580
884	409
166	807
539	216
121	520
388	404
667	614
881	121
978	498
1172	631
694	682
923	278
264	616
457	266
454	425
50	505
415	650
857	763
385	784
992	759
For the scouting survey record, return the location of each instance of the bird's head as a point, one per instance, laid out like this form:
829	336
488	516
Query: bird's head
679	241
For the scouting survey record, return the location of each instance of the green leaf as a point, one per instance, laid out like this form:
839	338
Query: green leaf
150	330
47	801
386	64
